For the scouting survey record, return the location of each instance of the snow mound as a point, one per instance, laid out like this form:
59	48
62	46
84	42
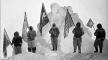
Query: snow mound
65	45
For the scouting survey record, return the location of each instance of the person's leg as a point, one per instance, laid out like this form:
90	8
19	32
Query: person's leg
101	45
79	44
15	50
29	49
56	43
29	46
34	49
54	46
96	43
33	46
52	42
19	49
74	44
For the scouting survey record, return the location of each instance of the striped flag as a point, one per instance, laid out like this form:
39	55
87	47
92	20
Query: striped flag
68	23
43	18
24	29
90	23
6	42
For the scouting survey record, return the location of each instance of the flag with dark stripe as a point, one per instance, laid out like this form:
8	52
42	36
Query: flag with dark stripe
68	23
6	42
43	18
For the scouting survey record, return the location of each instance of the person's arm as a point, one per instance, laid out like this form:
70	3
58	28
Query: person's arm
35	33
95	33
58	31
28	34
82	31
50	31
104	34
73	31
12	41
21	39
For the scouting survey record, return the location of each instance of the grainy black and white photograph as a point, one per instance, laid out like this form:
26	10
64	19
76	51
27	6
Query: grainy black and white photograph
54	30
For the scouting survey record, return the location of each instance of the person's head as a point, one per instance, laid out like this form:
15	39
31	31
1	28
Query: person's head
78	24
99	26
16	33
54	25
30	28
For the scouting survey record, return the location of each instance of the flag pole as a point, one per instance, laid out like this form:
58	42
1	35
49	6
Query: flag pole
50	23
11	44
93	28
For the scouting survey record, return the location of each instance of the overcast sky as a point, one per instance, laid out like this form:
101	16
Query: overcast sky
12	12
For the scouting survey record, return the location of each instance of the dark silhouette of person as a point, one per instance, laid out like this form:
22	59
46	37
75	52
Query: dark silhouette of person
100	37
17	41
54	31
77	39
31	40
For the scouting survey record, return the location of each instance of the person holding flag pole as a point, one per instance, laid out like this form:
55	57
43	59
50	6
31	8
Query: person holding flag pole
17	42
100	35
31	34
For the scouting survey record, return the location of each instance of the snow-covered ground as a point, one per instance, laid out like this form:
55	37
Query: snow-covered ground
50	55
91	55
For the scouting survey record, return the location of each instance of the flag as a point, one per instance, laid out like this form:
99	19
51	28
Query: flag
24	29
90	23
6	42
68	23
43	18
